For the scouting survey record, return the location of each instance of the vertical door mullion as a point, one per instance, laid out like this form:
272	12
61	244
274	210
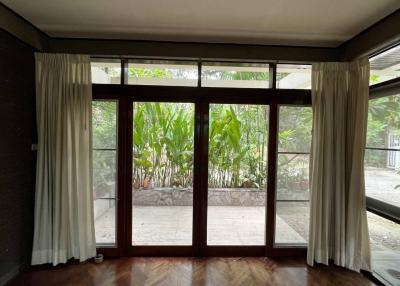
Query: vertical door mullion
204	174
272	76
124	128
200	180
196	232
122	174
128	174
271	178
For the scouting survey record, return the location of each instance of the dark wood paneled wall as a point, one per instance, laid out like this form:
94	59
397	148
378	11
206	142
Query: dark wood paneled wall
17	161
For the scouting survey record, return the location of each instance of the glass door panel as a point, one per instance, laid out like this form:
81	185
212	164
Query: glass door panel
162	173
104	134
238	136
293	190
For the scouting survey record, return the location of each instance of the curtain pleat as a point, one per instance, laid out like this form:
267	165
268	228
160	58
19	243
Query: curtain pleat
64	222
338	220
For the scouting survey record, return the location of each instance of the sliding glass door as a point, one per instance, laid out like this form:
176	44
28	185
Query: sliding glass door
293	163
162	173
237	174
189	171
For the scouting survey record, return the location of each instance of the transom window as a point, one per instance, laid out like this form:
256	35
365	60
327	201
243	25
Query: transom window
201	74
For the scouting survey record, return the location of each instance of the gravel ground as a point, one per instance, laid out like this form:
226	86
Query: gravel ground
384	234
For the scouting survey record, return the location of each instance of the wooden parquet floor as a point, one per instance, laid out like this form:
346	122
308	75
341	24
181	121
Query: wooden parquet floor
191	271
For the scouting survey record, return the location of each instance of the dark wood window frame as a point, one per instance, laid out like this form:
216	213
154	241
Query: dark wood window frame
125	95
202	97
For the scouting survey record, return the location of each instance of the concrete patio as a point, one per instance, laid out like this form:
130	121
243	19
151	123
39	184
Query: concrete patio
172	225
231	225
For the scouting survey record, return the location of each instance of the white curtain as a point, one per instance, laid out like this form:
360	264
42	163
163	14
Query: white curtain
338	218
64	224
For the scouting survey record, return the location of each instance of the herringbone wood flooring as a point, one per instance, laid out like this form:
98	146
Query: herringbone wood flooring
191	271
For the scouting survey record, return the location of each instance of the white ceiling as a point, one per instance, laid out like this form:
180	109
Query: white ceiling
286	22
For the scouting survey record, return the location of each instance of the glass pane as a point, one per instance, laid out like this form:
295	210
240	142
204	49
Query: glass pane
295	124
382	175
104	173
235	75
385	66
104	129
238	136
385	247
384	122
105	221
293	193
162	192
293	177
104	124
293	76
106	71
292	221
168	73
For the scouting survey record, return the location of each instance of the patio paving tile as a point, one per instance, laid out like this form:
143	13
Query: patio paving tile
172	225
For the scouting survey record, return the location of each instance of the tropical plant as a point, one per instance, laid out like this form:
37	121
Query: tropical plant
238	136
163	144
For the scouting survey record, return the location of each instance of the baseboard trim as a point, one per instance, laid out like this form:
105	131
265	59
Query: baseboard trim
10	275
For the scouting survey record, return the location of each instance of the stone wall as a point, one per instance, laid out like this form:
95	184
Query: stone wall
216	197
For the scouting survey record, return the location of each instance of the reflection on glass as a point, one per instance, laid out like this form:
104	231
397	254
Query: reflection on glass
104	173
238	136
295	124
105	220
385	66
104	132
162	193
293	177
293	76
292	222
382	167
167	73
235	75
293	194
293	190
106	71
384	122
